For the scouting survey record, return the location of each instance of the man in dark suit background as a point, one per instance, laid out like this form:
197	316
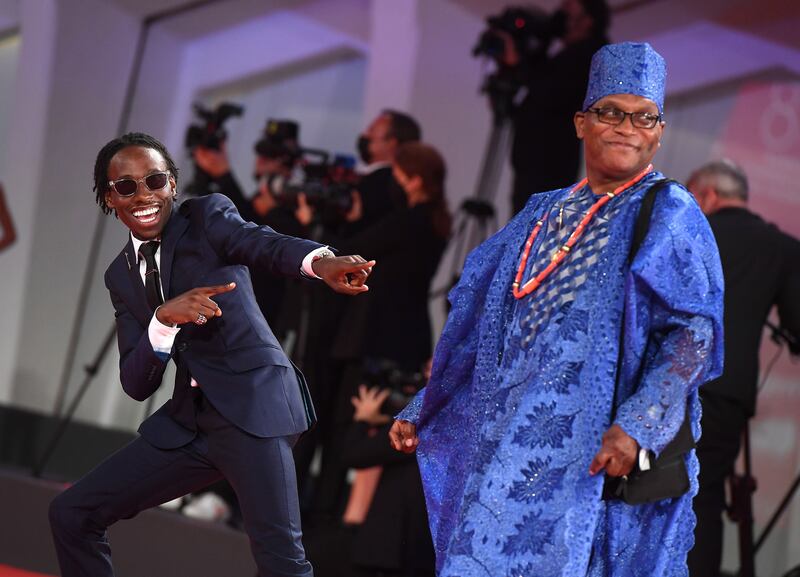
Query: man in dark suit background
238	404
375	197
761	265
377	192
556	83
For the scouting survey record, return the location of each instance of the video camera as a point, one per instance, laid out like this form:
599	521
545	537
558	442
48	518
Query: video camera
326	183
531	29
386	374
211	134
281	141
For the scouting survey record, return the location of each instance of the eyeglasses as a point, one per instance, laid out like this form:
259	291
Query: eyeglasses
129	186
615	117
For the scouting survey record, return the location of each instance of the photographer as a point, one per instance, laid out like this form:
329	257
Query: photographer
410	242
545	152
761	265
276	155
375	196
393	324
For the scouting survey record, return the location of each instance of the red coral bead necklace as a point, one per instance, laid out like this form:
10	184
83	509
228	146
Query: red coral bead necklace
564	250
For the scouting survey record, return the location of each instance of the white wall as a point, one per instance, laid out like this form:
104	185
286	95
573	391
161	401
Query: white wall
26	118
86	88
9	55
326	101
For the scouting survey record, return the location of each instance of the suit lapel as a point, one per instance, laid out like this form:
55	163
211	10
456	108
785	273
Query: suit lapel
169	239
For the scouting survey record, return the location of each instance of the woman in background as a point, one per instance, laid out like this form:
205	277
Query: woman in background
390	327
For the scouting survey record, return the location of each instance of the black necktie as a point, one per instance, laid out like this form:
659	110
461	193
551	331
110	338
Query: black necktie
152	280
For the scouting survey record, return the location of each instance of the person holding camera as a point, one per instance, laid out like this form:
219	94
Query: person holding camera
394	323
393	537
375	196
276	154
762	270
545	153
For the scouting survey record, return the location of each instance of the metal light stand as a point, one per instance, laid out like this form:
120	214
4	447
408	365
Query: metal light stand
476	219
743	486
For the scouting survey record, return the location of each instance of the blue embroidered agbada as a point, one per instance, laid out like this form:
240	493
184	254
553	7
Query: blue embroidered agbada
521	390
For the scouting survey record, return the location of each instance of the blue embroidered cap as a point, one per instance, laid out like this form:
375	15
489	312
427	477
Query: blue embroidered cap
627	68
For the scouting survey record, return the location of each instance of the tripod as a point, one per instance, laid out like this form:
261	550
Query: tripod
476	218
743	486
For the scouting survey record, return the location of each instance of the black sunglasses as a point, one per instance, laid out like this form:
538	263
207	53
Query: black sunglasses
129	186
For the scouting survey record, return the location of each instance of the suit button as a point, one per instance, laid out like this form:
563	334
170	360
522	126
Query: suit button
182	346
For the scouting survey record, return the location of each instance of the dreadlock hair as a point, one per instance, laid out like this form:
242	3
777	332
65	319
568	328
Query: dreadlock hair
109	150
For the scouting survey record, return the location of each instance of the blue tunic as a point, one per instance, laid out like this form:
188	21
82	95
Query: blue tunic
521	390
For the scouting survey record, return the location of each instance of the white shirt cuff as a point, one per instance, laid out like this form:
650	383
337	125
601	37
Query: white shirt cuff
644	460
310	257
161	336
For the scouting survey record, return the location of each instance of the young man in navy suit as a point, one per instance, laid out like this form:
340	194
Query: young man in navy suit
181	290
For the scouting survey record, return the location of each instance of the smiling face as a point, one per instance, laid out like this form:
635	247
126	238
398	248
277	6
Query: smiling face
146	212
615	154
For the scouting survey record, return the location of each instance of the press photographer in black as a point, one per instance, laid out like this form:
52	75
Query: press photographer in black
761	265
276	155
550	58
394	323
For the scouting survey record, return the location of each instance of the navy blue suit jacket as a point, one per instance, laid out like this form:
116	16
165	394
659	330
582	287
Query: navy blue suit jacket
235	358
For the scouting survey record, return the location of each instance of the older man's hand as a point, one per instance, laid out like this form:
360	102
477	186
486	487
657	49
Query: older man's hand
403	436
617	455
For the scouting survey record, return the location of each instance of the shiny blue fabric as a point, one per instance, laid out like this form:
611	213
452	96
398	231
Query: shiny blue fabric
627	68
521	390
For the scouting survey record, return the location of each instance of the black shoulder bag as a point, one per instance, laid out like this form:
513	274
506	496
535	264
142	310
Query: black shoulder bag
667	477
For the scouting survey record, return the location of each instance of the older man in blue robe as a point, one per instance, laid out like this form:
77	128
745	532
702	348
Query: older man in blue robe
568	361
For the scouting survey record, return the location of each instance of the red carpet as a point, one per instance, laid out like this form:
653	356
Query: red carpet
6	571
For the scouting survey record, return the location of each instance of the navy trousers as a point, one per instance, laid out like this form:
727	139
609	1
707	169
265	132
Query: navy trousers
140	476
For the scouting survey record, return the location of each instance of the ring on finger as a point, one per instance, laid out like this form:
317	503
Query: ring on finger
201	319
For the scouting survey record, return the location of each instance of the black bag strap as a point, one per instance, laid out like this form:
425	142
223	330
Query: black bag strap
640	230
